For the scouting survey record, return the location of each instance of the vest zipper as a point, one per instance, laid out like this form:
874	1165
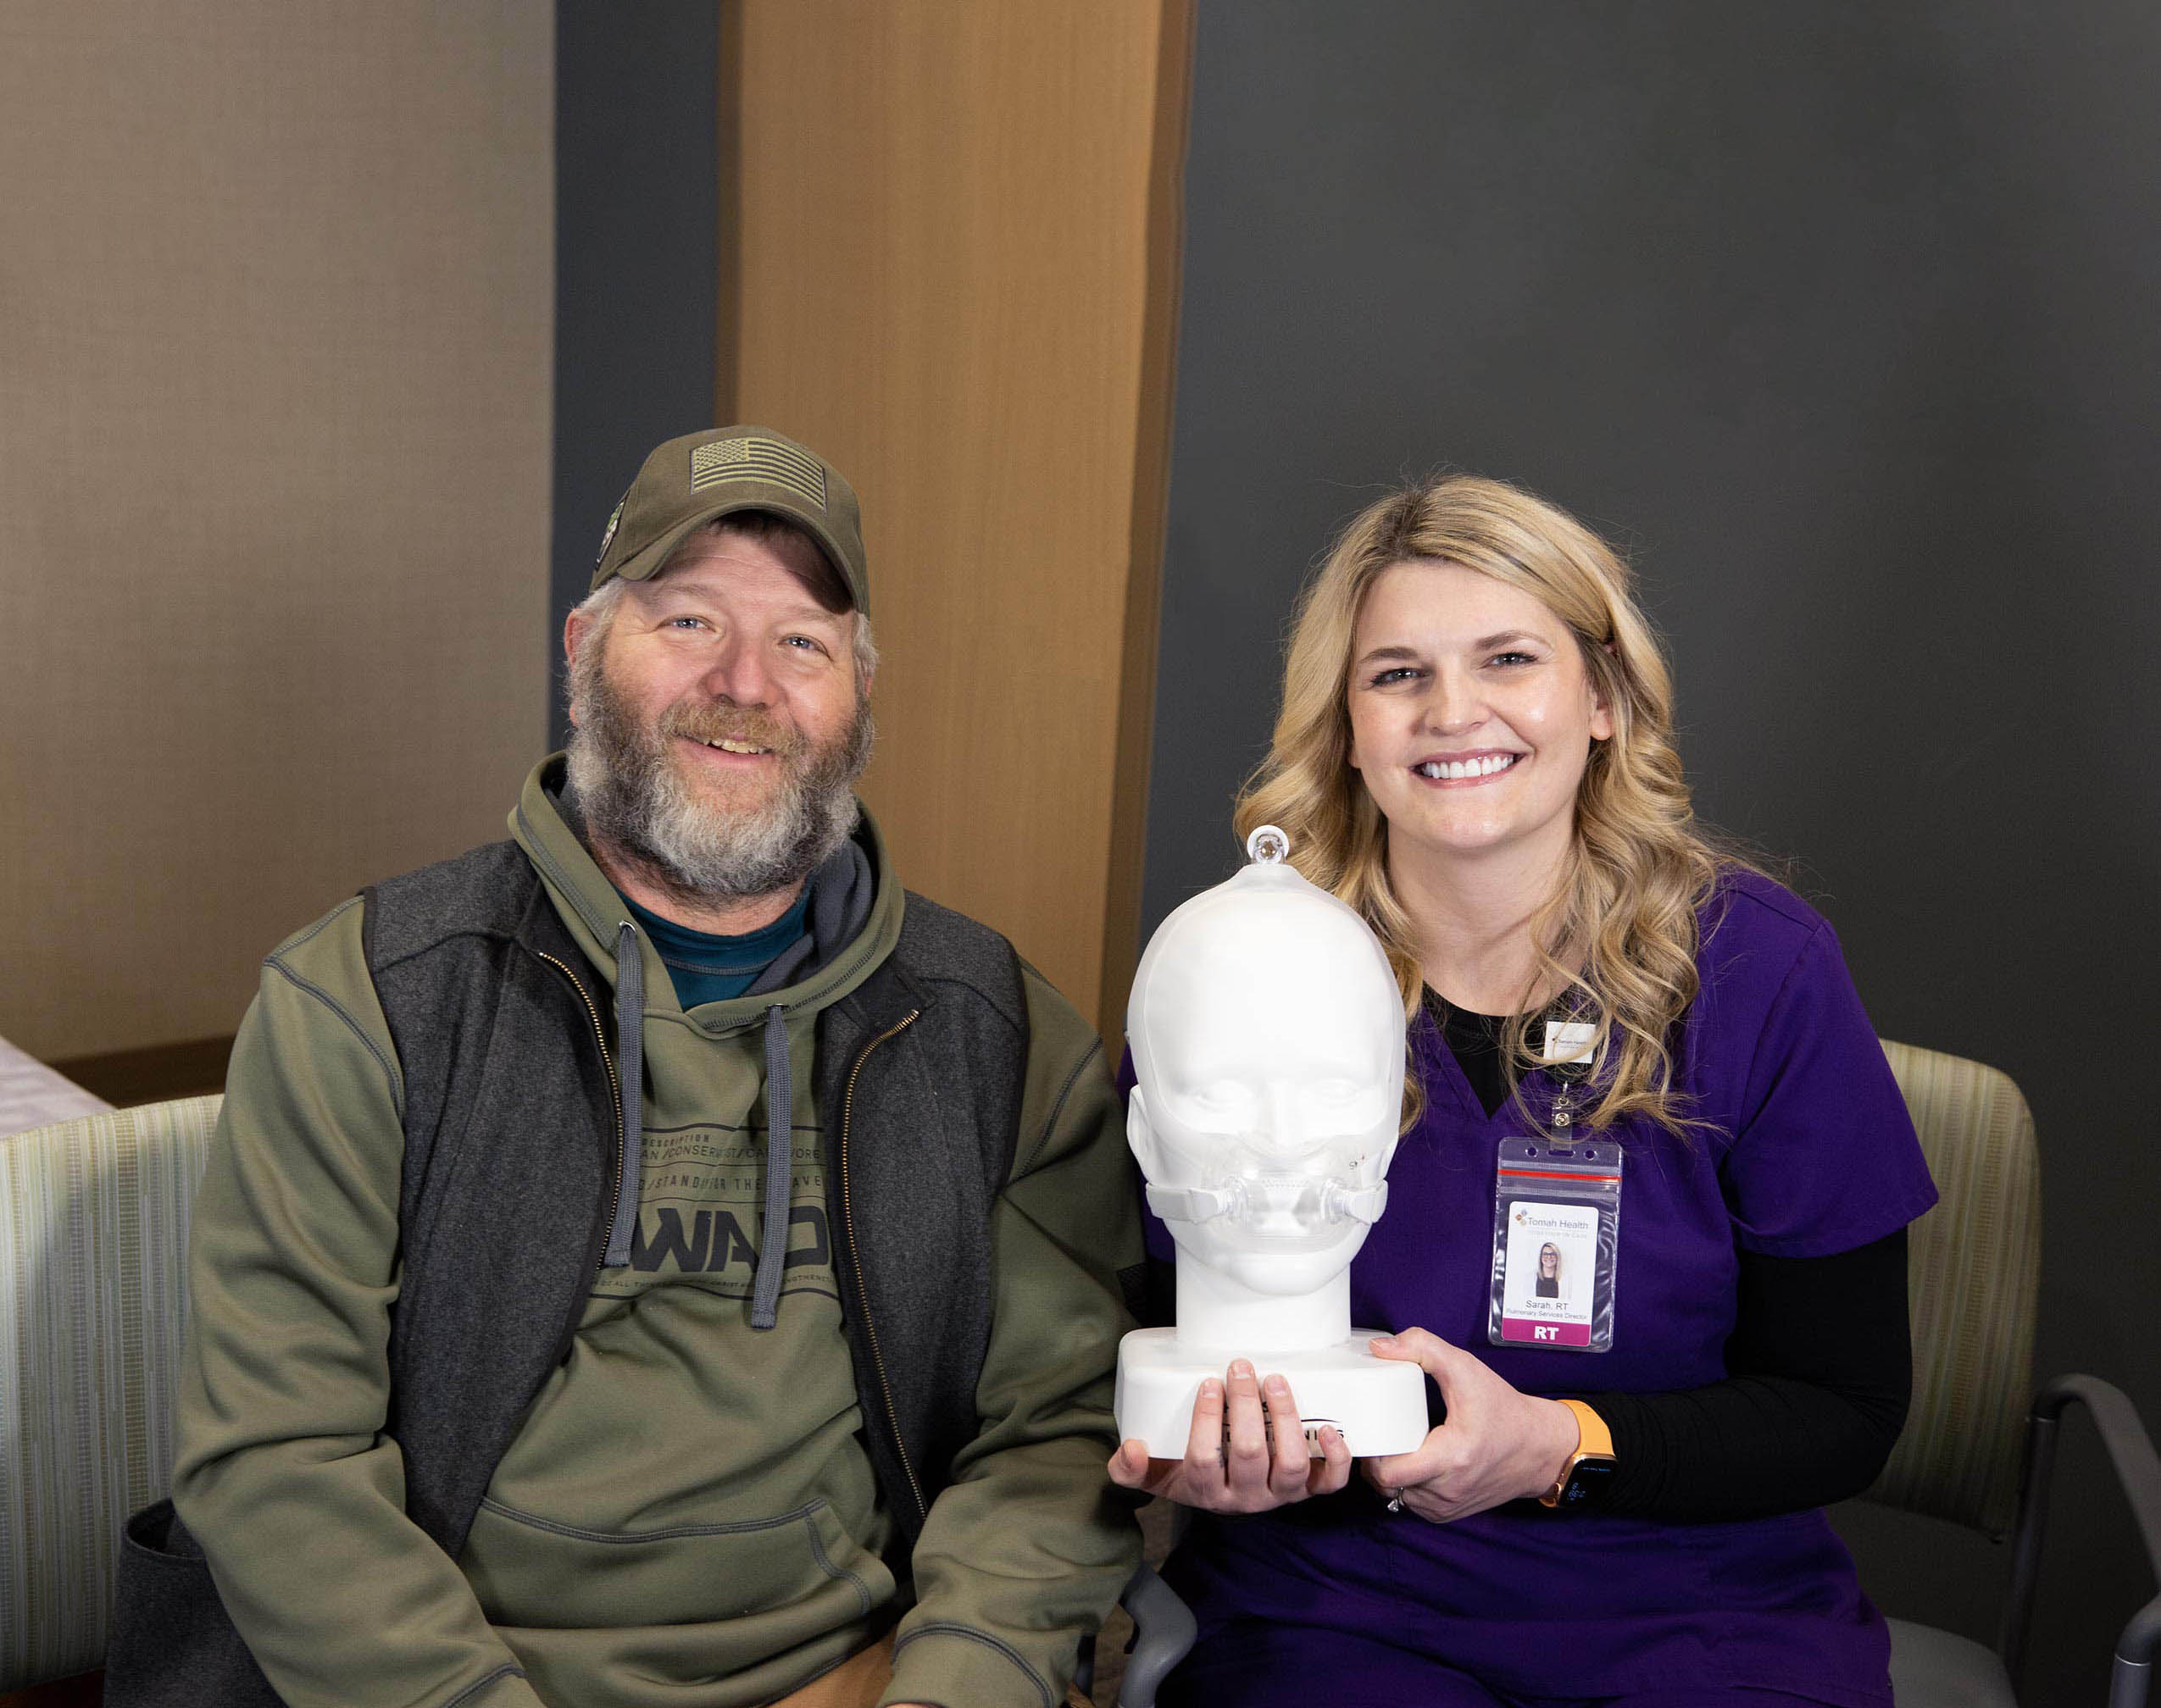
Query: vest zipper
855	1258
614	1085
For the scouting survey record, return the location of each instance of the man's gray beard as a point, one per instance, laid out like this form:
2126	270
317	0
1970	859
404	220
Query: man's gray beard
631	796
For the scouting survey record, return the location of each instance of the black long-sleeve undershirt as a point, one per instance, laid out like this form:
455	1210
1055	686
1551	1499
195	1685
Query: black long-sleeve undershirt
1822	1372
1820	1361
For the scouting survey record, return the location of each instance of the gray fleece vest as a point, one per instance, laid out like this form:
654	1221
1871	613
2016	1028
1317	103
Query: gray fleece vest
510	1173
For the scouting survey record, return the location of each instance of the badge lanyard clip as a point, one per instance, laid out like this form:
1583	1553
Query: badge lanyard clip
1567	1056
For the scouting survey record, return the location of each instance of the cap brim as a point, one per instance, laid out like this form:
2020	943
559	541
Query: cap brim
648	559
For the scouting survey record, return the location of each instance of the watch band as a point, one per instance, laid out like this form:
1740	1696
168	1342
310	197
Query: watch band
1594	1443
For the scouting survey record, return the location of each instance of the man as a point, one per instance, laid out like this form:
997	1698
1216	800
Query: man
644	1260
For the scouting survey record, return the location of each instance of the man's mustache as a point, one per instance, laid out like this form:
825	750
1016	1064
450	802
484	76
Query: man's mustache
742	724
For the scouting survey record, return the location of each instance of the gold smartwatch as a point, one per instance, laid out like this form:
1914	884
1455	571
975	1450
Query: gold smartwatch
1590	1469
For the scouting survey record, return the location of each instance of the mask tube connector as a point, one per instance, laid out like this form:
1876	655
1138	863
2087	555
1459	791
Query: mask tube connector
1198	1203
1342	1203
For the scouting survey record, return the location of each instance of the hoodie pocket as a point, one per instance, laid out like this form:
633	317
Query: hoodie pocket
171	1644
540	1572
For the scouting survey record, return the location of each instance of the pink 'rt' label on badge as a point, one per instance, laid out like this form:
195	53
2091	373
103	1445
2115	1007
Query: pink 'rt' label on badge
1545	1334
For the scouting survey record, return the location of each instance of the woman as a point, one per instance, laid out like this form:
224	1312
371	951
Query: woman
1475	751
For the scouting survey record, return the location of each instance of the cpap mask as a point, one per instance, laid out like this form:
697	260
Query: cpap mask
1239	1198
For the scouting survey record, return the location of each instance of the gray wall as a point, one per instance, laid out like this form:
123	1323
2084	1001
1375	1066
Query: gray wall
1841	319
637	208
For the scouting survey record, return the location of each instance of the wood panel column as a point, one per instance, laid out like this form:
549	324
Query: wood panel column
952	269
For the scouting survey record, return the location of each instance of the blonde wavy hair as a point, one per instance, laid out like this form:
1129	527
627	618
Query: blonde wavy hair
1617	941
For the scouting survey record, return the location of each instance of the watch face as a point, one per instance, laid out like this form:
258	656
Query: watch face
1587	1483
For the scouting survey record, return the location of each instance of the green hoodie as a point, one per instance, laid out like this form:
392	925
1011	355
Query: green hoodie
687	1506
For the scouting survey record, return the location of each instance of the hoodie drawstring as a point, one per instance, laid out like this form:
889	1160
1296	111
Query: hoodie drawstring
773	1245
629	1056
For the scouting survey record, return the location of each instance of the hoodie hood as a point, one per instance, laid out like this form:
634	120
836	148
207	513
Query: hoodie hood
850	925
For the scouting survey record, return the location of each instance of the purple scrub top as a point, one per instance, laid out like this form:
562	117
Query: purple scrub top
1808	1151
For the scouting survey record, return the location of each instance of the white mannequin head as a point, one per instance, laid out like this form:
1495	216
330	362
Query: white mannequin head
1266	1033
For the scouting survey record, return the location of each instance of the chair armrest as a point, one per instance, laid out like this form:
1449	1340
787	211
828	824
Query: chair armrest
2132	1456
1164	1630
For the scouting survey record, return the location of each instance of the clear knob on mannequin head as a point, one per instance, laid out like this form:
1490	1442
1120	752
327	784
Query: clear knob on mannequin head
1266	846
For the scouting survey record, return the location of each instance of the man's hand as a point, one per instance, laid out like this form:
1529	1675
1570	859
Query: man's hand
1266	1463
1496	1443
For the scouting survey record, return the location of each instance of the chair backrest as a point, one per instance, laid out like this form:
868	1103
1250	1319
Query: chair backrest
93	1264
1972	1277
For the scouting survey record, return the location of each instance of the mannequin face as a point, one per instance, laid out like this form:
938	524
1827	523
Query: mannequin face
1268	1040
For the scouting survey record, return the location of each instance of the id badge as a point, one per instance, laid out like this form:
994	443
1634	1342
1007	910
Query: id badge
1555	1232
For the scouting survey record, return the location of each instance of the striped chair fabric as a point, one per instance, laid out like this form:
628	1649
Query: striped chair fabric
1973	1277
94	1255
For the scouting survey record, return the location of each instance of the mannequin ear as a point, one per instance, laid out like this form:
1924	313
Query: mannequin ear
1139	1134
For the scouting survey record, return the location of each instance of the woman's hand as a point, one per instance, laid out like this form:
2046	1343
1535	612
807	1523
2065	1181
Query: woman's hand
1266	1463
1496	1443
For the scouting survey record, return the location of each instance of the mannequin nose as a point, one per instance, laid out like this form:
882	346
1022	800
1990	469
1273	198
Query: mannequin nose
1279	1132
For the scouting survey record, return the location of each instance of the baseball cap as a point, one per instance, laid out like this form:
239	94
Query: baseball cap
691	480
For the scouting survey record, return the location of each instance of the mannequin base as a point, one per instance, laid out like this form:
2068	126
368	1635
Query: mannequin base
1378	1404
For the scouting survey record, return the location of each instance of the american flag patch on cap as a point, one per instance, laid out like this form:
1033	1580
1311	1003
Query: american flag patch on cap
759	459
